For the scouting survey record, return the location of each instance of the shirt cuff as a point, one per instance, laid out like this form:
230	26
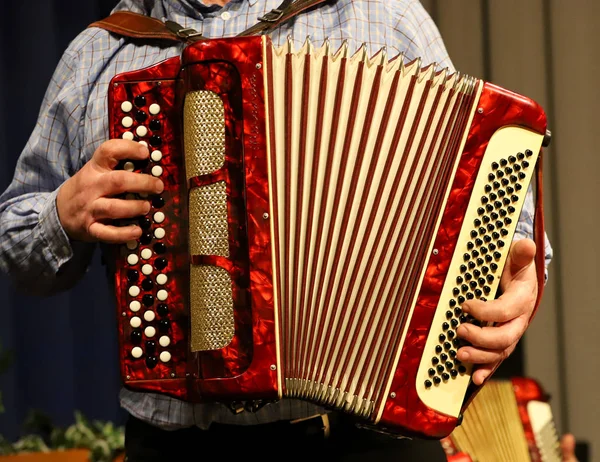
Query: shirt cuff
57	245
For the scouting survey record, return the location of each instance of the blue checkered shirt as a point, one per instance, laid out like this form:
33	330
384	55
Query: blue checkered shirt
34	249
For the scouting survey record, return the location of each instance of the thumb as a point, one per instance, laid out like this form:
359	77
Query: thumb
567	448
522	253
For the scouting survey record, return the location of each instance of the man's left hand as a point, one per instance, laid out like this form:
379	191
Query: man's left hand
510	313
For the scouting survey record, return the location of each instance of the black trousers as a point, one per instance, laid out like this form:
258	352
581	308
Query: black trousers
281	441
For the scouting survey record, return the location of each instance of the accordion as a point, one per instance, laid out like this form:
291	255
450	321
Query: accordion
508	421
324	216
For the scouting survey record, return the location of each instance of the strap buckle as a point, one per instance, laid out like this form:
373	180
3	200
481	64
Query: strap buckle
180	31
272	16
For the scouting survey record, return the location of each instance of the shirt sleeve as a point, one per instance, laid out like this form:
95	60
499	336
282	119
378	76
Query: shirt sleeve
35	251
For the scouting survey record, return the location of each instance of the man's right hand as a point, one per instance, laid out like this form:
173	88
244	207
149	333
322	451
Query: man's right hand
87	203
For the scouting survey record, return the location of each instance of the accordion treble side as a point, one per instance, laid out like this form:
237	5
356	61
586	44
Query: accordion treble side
325	215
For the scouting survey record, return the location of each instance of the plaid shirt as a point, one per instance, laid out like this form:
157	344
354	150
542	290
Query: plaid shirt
72	123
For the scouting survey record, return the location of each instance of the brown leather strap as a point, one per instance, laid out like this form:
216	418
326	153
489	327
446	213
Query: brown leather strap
539	234
135	25
130	24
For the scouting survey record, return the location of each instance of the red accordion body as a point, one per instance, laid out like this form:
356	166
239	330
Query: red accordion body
259	348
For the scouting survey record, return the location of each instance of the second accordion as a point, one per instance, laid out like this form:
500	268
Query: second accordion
325	214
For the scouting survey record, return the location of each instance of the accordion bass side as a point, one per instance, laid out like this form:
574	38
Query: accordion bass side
325	215
509	420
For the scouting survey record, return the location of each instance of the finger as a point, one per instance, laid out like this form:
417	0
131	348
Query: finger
478	355
495	337
119	182
567	447
520	256
108	155
119	208
518	298
482	373
114	234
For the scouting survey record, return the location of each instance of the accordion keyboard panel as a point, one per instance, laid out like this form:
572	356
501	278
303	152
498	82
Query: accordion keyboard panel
476	267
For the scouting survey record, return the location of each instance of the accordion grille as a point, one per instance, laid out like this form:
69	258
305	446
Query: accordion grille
211	298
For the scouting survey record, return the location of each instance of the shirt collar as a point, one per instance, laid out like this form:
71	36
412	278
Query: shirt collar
197	9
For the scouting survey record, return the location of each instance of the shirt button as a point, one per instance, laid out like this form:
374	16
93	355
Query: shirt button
225	15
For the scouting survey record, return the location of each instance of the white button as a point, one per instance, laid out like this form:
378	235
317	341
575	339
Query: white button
164	341
126	106
135	306
165	356
137	352
129	166
134	291
141	131
131	245
162	295
149	316
161	279
154	109
135	322
127	122
150	331
146	253
159	217
144	143
159	233
156	155
157	170
132	259
127	136
225	15
147	269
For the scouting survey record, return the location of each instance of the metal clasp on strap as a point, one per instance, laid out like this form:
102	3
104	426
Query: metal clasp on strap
272	16
181	31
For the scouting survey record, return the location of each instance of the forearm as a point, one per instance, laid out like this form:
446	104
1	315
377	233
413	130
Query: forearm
35	252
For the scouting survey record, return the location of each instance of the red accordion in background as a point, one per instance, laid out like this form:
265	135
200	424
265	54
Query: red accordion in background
324	216
510	420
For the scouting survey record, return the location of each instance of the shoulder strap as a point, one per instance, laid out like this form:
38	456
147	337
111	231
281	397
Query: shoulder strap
136	25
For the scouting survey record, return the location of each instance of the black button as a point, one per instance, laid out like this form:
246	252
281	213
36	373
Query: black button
504	231
463	268
492	246
442	337
140	100
158	202
155	141
145	223
438	350
478	293
470	245
522	175
500	173
491	177
478	242
462	369
496	185
480	211
146	238
528	153
494	266
511	209
453	372
512	159
452	302
495	165
163	325
450	336
486	219
445	326
431	371
437	380
476	273
457	311
150	346
435	359
456	291
525	164
151	362
490	278
493	196
445	376
444	357
136	336
132	275
148	300
141	116
473	234
484	199
501	193
485	270
459	279
508	170
155	125
147	284
454	323
520	156
428	384
500	243
449	364
162	309
503	162
461	299
477	222
448	314
160	247
487	188
160	263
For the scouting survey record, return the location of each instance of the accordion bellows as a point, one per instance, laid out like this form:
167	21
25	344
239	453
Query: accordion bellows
325	215
509	420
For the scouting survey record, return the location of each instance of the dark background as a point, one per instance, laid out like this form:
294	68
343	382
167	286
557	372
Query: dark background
65	346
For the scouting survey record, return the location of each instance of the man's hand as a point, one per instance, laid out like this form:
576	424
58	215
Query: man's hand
87	202
511	313
567	448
